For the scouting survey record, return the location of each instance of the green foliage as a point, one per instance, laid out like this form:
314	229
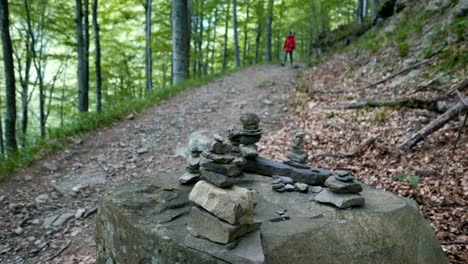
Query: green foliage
459	27
412	180
380	116
330	115
403	49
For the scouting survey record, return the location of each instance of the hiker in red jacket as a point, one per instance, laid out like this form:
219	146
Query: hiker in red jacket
288	47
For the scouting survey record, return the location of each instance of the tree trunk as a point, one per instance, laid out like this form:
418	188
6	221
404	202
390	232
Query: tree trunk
374	4
86	52
37	60
246	39
81	74
215	27
259	30
10	115
97	55
359	12
236	37
148	53
180	41
269	22
226	28
201	66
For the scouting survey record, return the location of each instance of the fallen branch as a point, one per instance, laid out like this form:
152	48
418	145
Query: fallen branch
438	104
398	73
60	251
456	242
403	102
351	154
434	125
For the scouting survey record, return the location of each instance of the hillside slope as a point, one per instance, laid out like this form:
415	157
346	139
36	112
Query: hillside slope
417	55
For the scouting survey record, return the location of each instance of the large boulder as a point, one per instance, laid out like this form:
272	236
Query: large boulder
146	222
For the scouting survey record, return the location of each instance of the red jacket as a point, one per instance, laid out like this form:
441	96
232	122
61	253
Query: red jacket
289	44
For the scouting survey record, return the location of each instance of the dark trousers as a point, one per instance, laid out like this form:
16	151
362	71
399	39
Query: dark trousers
286	56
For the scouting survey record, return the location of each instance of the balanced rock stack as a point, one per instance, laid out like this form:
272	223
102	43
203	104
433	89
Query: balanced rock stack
193	167
283	183
219	165
297	156
343	191
223	212
249	135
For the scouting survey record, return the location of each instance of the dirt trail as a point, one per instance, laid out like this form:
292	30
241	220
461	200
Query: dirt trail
140	147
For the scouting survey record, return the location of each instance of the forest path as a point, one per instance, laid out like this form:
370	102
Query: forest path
147	145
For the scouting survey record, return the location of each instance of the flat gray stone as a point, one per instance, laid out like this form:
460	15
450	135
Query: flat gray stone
63	219
231	169
219	147
249	151
233	205
295	164
189	178
49	166
315	189
87	178
217	179
301	187
343	187
218	158
250	139
297	157
289	188
49	220
247	251
283	179
249	119
312	176
204	224
340	200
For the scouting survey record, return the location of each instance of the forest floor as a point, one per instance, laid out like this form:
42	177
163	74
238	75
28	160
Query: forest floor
151	145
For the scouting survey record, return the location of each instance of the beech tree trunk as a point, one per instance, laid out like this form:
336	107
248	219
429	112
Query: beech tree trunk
86	52
269	22
10	91
180	41
246	37
97	55
81	71
259	30
215	27
226	28
236	37
148	53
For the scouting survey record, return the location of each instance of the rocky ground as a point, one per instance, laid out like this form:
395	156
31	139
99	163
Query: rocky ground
47	210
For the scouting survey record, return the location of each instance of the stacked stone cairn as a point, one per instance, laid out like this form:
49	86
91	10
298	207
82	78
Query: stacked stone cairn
192	174
343	191
249	135
297	155
297	158
222	212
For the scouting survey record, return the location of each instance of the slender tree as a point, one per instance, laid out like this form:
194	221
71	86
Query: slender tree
81	71
97	55
10	115
86	51
148	52
236	37
180	41
213	49
226	28
259	29
268	32
246	37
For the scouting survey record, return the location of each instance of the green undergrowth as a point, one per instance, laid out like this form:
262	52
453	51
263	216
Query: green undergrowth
58	138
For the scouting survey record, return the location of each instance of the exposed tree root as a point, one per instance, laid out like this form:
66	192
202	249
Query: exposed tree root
351	154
